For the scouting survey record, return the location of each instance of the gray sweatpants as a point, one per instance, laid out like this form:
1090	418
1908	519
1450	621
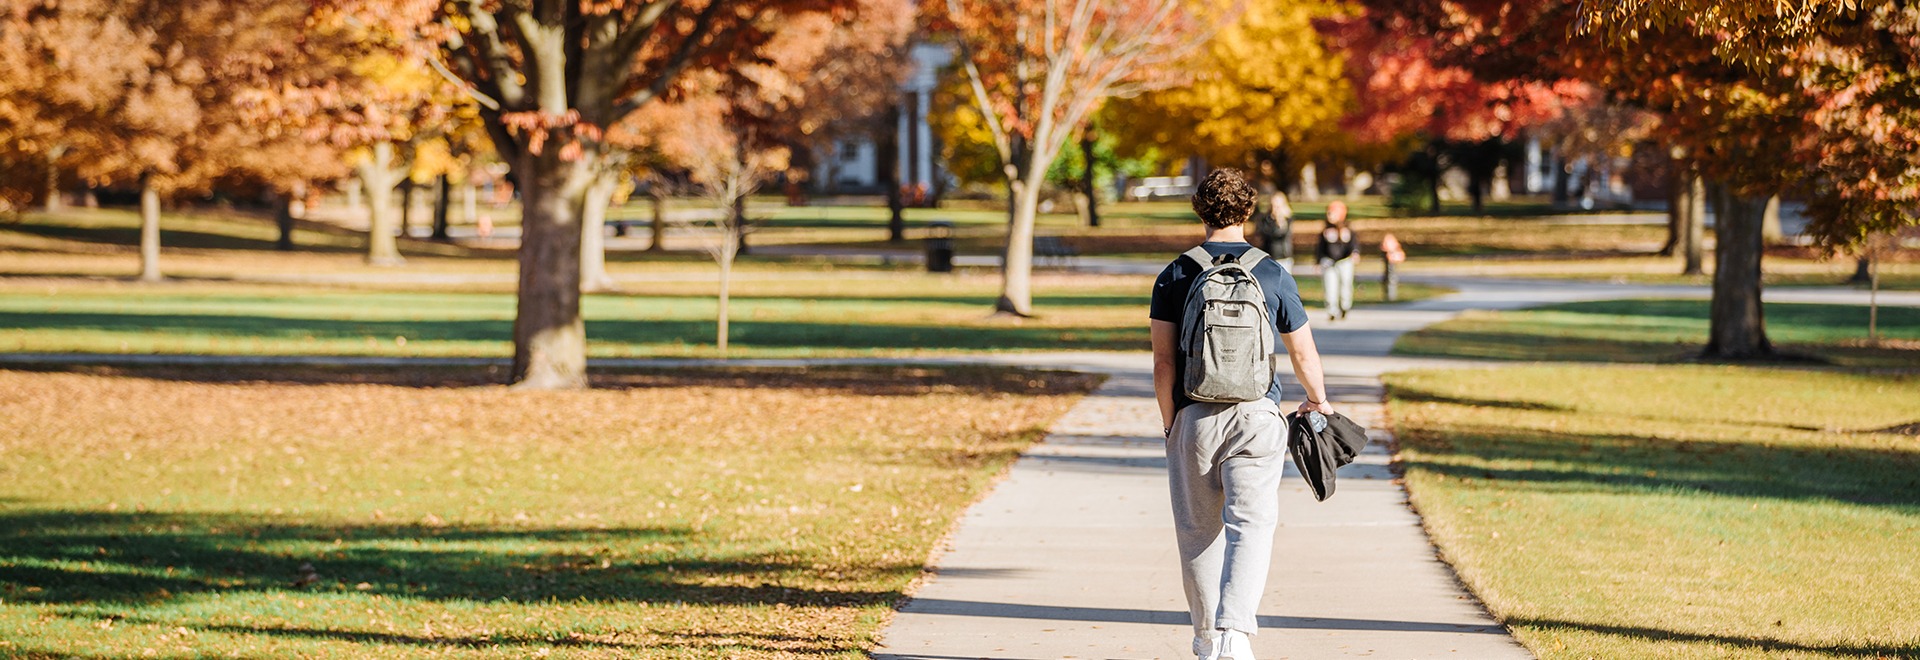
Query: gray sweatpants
1223	465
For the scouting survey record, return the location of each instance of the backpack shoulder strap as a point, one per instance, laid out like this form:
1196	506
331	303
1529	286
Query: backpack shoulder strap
1199	255
1252	257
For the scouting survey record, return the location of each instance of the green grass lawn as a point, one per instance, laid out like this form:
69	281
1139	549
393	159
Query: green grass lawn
901	314
413	514
1663	331
1674	511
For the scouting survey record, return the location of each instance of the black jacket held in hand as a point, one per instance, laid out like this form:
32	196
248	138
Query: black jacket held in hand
1319	453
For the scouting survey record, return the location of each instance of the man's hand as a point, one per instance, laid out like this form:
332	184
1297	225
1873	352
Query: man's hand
1323	407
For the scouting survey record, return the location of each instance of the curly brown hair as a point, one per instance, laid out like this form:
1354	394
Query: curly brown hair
1224	199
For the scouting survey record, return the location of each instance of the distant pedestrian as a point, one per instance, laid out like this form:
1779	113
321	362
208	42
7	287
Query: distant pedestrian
1391	253
1224	454
1273	231
486	226
1337	251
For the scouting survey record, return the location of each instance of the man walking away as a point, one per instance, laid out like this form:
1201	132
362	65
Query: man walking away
1337	251
1224	458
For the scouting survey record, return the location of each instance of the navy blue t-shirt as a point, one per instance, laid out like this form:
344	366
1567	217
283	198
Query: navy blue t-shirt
1170	303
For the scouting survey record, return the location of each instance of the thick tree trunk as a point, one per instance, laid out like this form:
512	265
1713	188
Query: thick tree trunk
1770	231
593	236
441	202
379	176
1086	178
1737	328
1016	292
886	155
149	230
1862	270
549	336
658	242
1694	220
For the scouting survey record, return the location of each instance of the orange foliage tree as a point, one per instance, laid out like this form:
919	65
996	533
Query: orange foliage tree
168	94
553	75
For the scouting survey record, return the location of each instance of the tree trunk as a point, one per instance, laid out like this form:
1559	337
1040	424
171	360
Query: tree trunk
1476	185
1676	201
1770	230
1873	294
353	193
1433	191
1694	219
149	230
593	236
440	203
1737	329
379	176
283	219
406	207
53	203
1016	292
1086	179
1862	270
549	335
726	278
1562	182
740	224
886	156
658	242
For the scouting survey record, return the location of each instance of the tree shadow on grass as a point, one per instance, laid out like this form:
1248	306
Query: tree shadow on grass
130	561
1567	462
1748	643
746	333
865	380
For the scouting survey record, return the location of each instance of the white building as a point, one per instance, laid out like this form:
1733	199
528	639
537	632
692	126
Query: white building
853	165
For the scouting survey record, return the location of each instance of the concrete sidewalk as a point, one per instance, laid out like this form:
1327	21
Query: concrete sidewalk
1073	557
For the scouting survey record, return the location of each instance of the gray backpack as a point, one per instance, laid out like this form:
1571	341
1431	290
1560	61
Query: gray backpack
1225	330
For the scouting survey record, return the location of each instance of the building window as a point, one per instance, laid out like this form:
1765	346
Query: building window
849	152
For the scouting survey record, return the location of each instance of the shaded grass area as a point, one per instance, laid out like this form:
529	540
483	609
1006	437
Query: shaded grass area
1674	511
904	315
1664	331
335	514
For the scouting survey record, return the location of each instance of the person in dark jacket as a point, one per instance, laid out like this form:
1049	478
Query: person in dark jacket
1337	252
1273	231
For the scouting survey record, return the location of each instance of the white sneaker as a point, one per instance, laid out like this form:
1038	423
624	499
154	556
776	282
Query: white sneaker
1207	646
1234	645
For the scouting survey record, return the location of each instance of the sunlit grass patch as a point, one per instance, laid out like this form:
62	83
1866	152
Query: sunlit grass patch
1664	331
418	513
1674	511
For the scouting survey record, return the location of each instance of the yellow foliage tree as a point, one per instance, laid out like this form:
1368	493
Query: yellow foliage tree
1266	89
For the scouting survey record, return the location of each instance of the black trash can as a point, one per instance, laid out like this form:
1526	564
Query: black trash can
939	247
